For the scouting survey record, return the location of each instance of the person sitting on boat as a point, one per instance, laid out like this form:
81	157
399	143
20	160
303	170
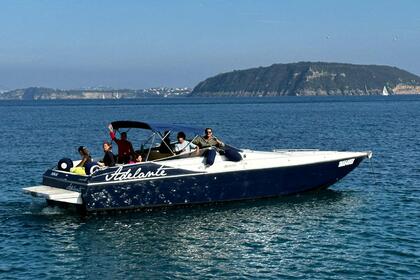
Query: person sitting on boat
208	140
183	146
86	158
125	148
165	145
109	159
136	158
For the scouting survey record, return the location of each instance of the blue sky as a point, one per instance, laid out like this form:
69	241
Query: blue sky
138	44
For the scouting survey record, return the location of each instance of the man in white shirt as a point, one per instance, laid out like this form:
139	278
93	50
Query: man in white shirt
183	146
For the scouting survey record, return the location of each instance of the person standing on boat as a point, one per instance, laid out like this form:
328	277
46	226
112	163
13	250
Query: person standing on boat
125	148
208	140
109	159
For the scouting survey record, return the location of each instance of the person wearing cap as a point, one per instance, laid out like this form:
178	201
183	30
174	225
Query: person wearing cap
125	148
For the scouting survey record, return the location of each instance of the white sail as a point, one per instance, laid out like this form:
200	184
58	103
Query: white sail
385	91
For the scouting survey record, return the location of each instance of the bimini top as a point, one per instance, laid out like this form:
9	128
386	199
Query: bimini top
156	127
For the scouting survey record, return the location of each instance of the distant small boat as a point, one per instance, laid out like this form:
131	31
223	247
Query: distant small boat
385	91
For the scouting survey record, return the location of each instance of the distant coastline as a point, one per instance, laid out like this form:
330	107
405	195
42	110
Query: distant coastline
43	93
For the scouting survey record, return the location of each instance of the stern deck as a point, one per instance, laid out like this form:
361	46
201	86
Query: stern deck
55	194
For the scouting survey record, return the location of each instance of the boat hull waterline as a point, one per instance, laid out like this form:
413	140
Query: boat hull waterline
166	183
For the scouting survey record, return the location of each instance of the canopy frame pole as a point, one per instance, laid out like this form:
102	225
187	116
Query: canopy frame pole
150	148
163	141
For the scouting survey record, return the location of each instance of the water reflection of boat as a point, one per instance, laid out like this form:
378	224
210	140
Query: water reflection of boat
183	179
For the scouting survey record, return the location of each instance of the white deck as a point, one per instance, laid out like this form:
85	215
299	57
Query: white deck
55	194
260	159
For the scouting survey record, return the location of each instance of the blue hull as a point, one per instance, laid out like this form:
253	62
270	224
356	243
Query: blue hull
199	188
178	187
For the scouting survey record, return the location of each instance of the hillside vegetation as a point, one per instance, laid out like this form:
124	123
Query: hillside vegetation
309	78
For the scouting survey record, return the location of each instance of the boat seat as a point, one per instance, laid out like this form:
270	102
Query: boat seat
156	155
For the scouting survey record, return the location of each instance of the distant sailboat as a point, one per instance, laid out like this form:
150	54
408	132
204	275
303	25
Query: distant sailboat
385	91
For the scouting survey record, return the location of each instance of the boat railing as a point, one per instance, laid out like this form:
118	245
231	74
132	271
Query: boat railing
294	150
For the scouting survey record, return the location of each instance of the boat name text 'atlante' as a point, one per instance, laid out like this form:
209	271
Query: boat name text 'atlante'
138	174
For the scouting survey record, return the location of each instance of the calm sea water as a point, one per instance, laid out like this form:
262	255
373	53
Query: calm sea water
366	226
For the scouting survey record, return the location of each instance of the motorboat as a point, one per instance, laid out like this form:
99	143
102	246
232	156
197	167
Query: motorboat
209	175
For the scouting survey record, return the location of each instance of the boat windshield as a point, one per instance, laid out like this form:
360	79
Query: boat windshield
154	141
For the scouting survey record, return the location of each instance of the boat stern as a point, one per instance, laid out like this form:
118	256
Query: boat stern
55	194
60	187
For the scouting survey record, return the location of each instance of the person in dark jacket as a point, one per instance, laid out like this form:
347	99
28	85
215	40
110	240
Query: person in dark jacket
109	159
85	154
86	158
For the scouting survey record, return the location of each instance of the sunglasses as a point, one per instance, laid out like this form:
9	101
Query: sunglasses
209	132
